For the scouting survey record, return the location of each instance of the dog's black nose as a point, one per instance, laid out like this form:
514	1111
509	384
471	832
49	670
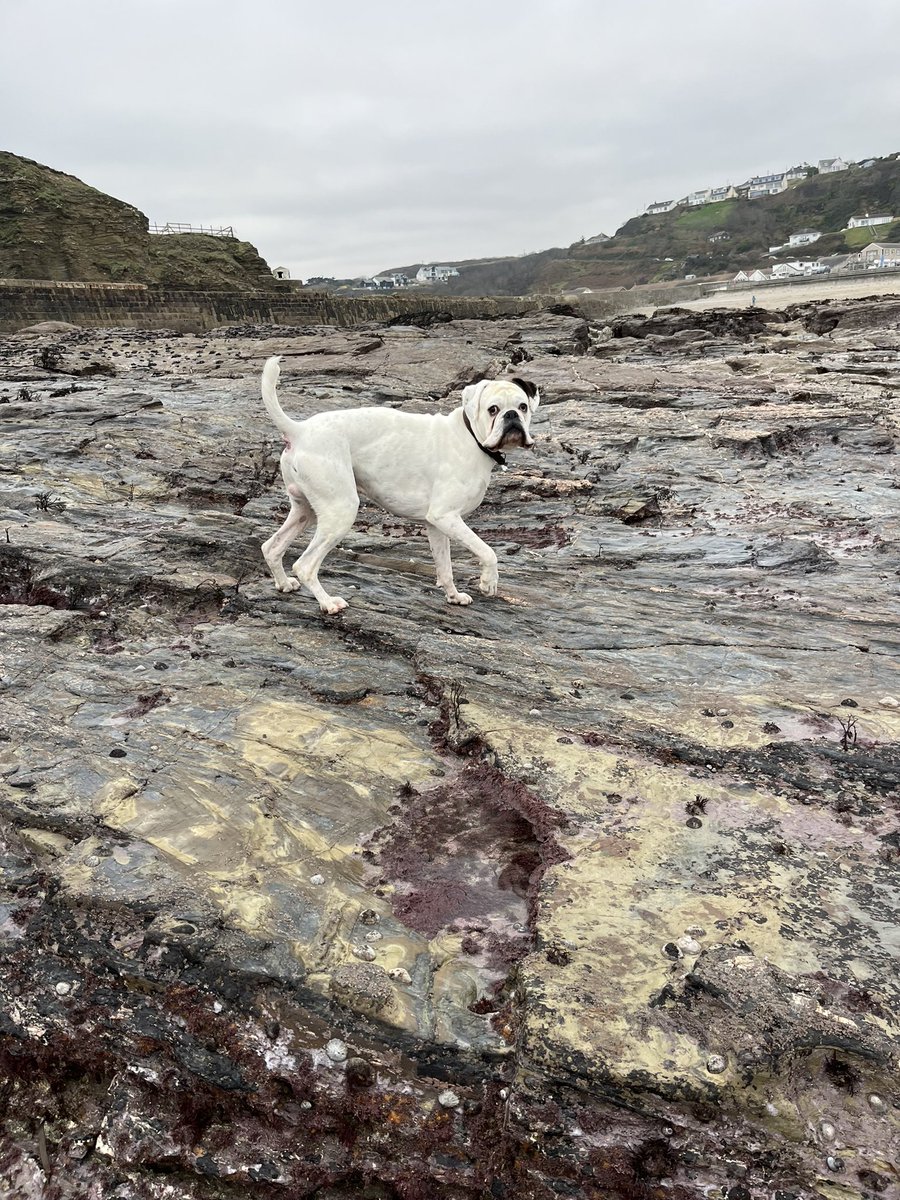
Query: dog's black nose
512	415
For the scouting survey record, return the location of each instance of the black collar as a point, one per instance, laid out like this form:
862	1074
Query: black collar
494	454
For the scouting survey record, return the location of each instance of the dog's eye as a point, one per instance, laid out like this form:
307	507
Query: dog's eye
523	408
493	410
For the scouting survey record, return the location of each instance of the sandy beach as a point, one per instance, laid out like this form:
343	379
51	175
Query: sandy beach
782	295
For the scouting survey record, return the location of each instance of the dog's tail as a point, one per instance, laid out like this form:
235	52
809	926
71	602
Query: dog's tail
271	372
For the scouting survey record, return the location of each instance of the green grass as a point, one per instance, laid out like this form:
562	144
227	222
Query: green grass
855	239
706	216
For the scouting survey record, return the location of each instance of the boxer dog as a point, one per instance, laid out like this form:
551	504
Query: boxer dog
428	467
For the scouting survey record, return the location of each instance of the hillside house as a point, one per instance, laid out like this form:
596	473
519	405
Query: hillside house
281	273
661	206
765	185
827	166
877	254
798	172
435	274
722	193
695	199
722	236
869	219
804	237
756	276
597	239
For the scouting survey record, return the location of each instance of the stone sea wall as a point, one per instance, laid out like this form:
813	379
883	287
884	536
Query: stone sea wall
143	306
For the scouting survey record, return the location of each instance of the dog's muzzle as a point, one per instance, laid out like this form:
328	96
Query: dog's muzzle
514	432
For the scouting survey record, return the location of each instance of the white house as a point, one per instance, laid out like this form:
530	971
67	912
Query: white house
597	239
435	274
878	254
281	273
798	172
797	269
765	185
867	219
722	193
694	199
722	236
756	276
661	206
827	166
804	237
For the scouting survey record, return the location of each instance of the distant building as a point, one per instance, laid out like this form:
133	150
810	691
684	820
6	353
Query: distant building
689	278
661	206
797	269
395	280
798	172
827	166
766	185
281	273
722	236
722	193
695	199
877	254
597	239
870	162
435	274
750	277
869	219
804	237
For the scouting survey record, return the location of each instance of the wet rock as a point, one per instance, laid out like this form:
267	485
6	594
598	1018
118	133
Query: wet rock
589	893
364	987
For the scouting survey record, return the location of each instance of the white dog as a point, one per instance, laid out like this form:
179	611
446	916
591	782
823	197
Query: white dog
431	467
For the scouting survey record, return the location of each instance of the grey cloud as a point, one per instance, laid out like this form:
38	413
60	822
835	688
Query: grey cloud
346	139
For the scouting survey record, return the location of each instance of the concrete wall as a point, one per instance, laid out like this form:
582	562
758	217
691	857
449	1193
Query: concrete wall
142	306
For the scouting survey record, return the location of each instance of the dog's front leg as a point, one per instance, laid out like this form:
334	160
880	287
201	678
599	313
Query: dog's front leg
455	527
440	548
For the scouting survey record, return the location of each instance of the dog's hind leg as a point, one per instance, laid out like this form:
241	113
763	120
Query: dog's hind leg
273	550
333	521
440	549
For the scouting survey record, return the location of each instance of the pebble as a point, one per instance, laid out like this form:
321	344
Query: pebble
364	952
369	916
374	936
889	702
336	1050
827	1131
671	950
688	945
876	1103
448	1099
317	879
92	861
400	974
305	1104
716	1064
534	712
63	989
833	1163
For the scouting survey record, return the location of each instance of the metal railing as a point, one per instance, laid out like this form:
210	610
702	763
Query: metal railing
181	227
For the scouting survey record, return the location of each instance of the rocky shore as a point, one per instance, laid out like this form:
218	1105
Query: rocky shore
586	890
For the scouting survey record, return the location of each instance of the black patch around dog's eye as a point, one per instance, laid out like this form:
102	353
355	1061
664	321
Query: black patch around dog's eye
529	388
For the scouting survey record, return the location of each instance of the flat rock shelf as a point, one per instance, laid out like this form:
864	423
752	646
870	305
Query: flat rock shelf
589	889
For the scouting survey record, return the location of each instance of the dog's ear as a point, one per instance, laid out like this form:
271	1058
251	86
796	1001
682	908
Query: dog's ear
470	397
530	389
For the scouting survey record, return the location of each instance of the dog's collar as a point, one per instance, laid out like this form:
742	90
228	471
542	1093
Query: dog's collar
498	458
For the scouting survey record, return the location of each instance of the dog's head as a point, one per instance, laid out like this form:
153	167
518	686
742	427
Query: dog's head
500	411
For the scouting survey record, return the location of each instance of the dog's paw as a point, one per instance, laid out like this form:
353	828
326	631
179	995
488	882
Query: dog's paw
459	598
289	585
334	604
488	584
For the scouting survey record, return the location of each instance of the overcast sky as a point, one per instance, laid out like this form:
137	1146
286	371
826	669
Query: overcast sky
345	138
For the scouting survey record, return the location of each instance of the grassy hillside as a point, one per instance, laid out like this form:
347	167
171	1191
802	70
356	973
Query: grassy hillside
639	251
54	226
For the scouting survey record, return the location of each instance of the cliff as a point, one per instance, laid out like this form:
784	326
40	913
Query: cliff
54	227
